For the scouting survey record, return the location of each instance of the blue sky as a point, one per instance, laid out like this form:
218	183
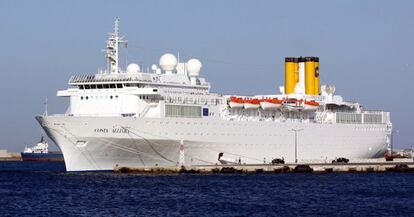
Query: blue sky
365	48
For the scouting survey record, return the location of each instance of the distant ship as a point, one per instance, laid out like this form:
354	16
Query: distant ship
40	152
167	116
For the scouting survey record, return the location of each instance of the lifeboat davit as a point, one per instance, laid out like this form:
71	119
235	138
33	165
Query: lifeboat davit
310	105
269	104
251	104
236	102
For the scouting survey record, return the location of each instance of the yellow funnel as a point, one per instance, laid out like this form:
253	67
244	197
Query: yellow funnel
291	76
310	75
317	85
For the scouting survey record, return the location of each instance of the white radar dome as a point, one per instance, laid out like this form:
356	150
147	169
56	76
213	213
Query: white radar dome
168	62
133	68
194	67
158	71
154	67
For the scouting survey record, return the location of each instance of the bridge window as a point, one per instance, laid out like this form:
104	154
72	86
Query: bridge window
118	85
99	86
112	85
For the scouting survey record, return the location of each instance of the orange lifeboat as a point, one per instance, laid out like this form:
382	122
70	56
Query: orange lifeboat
236	102
269	104
251	104
310	105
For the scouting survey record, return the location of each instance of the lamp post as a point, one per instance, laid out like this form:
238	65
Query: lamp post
296	142
392	140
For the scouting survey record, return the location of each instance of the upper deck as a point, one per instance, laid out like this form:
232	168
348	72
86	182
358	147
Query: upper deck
175	89
174	80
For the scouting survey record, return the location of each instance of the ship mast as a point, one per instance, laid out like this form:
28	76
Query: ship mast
112	52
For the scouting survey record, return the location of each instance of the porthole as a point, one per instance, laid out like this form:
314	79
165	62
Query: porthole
111	97
86	97
81	97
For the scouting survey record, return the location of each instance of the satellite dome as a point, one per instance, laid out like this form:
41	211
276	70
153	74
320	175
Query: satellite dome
133	68
194	67
154	67
168	62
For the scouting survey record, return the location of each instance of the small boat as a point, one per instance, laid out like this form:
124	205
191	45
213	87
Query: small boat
310	105
269	104
293	104
236	102
40	152
251	104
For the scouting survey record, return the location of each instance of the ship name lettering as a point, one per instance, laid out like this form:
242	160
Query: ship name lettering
120	130
101	130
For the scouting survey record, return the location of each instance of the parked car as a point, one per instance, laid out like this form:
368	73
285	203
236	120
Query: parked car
341	160
278	161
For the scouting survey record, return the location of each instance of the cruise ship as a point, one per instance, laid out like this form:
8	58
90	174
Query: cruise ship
166	116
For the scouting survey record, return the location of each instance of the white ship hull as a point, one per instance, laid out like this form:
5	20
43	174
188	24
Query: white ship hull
101	143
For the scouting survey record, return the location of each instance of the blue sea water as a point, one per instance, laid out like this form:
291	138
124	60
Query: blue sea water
45	189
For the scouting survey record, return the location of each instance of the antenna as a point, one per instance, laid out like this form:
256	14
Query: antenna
42	138
178	57
112	51
45	103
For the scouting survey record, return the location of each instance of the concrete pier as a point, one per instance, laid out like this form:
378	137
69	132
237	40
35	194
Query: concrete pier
368	165
9	156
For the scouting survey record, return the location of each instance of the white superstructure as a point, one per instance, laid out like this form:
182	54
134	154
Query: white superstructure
40	148
167	116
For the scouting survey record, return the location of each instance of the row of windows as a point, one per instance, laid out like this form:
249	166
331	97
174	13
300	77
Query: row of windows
110	97
108	86
240	134
372	118
357	118
348	118
98	97
250	124
192	100
100	86
182	111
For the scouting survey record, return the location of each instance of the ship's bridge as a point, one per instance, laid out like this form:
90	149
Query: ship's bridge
131	93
